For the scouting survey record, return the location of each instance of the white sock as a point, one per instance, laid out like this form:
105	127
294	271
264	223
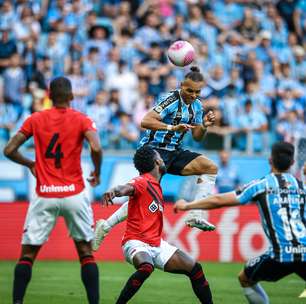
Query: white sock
117	217
256	294
205	184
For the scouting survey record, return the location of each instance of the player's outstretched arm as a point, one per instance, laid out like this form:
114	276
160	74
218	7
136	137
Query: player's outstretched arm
11	152
210	202
153	121
96	157
118	191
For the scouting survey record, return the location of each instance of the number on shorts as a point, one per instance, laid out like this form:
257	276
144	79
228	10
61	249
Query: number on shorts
57	154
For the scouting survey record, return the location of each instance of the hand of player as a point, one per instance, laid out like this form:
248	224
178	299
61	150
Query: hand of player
182	127
209	119
107	197
93	179
180	205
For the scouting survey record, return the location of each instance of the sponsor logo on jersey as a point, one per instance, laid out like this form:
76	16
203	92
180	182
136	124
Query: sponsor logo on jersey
53	188
298	249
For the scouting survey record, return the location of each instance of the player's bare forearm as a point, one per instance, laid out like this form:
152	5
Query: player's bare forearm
199	132
124	190
95	150
12	153
210	202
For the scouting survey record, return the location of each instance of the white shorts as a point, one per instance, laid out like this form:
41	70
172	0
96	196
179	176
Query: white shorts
160	255
43	213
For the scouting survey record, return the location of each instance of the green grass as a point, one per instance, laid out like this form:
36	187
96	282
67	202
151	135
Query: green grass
60	283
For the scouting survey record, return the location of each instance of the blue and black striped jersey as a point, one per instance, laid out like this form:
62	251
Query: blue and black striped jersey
281	199
173	111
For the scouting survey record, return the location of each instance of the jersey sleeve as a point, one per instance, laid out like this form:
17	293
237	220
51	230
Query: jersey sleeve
139	185
88	124
27	127
248	193
166	105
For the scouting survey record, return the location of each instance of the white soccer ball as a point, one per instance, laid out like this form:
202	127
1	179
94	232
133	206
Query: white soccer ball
181	53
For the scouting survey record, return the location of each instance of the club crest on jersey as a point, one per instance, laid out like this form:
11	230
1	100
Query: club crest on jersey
153	207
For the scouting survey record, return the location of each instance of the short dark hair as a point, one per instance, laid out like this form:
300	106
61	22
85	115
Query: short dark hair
144	159
282	155
194	74
60	90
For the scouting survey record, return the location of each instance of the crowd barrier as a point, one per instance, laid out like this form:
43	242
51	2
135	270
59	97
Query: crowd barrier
238	236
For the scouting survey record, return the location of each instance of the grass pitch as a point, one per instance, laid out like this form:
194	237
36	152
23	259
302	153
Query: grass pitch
60	283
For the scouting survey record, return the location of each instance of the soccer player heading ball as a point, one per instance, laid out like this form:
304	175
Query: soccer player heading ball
142	244
175	114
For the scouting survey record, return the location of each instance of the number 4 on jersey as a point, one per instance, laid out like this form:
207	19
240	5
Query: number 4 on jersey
54	151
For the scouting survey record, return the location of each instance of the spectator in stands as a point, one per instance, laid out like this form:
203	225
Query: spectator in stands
291	127
8	119
99	37
228	178
8	47
93	71
14	83
252	124
288	103
254	50
126	82
125	134
80	87
155	68
218	82
101	114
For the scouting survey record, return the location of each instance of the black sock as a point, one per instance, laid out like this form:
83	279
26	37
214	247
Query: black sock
90	278
134	282
200	284
22	277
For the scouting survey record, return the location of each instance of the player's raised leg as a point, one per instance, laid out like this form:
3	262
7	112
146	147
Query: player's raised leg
144	267
206	171
104	226
181	263
89	271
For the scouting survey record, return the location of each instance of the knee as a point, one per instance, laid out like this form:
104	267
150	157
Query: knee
244	280
208	167
146	269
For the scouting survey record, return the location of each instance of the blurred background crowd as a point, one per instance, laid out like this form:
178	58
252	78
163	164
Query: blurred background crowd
251	52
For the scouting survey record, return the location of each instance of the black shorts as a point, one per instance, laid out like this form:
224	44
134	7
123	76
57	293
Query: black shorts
176	160
265	268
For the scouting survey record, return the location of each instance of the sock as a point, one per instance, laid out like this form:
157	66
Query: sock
90	278
200	284
22	277
204	187
135	282
256	294
117	217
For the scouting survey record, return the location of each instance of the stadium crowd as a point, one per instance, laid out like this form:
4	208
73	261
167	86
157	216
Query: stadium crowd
252	54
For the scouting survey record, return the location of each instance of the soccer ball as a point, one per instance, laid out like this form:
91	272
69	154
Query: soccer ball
181	53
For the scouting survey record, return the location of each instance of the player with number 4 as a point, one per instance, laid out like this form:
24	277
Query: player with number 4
58	136
281	199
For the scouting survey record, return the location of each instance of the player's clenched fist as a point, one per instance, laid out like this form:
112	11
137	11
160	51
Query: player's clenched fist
209	119
180	205
107	197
